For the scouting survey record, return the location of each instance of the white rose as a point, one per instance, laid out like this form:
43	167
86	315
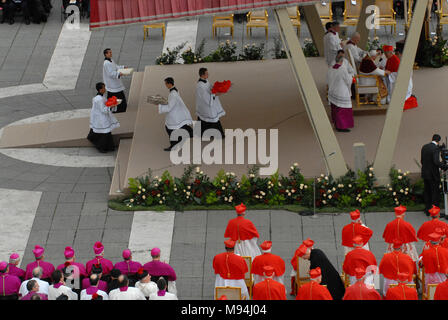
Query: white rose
394	193
292	168
160	202
188	187
324	202
158	195
143	197
188	193
139	192
296	164
132	200
222	181
225	198
223	188
349	185
399	177
293	190
329	197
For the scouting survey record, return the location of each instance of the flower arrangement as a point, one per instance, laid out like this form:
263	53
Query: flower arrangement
189	56
434	53
309	48
171	56
279	51
252	52
196	188
374	44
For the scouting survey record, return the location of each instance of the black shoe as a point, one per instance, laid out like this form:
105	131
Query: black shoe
343	130
11	21
27	21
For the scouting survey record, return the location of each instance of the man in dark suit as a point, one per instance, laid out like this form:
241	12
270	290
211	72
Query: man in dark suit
430	160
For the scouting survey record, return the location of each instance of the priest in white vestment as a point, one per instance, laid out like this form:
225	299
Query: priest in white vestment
332	42
351	46
339	95
208	106
102	122
112	79
178	116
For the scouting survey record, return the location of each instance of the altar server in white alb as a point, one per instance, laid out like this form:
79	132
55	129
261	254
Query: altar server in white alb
339	95
178	116
208	107
102	122
244	233
332	42
112	79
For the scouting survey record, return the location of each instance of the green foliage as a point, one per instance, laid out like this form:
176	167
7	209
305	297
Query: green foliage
171	56
374	44
309	49
194	188
189	56
279	52
434	53
252	52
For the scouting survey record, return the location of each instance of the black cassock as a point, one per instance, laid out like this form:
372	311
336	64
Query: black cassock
330	276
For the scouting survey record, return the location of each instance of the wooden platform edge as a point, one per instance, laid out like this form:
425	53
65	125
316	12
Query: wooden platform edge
121	164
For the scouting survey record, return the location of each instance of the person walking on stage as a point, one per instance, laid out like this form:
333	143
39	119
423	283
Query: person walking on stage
112	79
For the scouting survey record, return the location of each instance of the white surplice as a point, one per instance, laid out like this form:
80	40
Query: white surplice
53	292
332	44
85	296
111	76
102	119
130	294
208	105
339	87
356	52
167	296
147	288
176	110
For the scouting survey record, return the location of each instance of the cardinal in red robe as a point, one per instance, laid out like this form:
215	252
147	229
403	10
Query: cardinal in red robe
435	260
244	233
307	243
442	289
359	258
399	229
269	289
359	290
355	228
402	291
230	269
392	65
395	262
429	227
267	259
313	290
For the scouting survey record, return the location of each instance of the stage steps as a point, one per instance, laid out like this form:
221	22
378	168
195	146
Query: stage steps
70	132
121	163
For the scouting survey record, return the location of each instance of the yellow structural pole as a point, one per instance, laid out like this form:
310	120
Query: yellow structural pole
315	109
389	135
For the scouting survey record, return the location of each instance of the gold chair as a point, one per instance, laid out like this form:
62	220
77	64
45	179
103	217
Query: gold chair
421	278
153	26
352	11
303	269
325	13
442	13
294	15
410	285
409	13
232	293
248	276
386	14
222	22
431	291
257	19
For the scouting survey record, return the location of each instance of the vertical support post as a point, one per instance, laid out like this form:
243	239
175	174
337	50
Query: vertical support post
315	26
359	150
389	135
326	138
361	27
